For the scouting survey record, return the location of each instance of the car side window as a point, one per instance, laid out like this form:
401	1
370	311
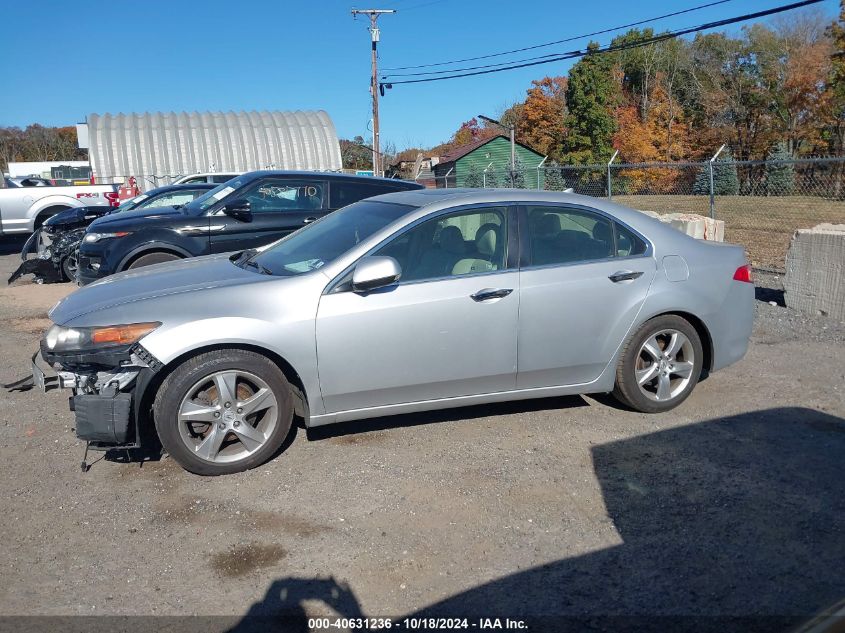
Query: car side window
461	243
277	195
627	243
343	193
561	235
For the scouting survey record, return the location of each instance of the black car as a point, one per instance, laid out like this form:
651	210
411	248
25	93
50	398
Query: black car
246	212
55	243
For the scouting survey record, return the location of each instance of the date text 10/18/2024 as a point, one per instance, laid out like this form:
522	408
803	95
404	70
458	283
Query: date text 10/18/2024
411	624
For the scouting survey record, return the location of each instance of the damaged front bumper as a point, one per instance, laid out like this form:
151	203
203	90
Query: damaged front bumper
108	388
50	253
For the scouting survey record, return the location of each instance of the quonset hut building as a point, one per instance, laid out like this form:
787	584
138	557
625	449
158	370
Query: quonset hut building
158	147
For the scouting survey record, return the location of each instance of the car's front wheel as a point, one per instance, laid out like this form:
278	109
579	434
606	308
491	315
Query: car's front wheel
660	365
223	411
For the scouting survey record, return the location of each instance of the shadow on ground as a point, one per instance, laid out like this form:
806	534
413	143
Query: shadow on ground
12	245
727	525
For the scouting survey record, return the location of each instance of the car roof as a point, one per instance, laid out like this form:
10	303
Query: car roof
179	187
444	198
333	175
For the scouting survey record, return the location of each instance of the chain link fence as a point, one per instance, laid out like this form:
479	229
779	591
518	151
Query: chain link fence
761	202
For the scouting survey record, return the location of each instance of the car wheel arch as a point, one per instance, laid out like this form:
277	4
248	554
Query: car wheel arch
701	329
146	399
149	249
47	213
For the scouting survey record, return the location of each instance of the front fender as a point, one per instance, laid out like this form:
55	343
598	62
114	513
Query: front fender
190	337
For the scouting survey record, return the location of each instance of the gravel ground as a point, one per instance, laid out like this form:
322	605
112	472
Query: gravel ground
731	505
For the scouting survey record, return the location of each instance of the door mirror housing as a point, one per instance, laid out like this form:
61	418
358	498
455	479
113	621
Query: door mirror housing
239	209
375	272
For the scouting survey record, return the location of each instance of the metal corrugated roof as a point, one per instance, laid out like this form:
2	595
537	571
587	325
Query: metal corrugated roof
157	147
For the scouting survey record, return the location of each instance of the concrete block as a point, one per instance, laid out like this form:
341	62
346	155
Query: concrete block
815	271
698	226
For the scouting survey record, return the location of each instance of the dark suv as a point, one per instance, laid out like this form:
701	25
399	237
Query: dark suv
245	212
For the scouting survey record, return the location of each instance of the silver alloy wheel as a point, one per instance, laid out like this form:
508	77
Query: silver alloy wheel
227	416
664	365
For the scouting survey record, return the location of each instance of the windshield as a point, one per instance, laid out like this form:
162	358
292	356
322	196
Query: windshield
130	204
327	239
213	196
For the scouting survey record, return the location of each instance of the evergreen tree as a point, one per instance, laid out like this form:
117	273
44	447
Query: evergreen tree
518	174
591	95
725	179
473	177
780	178
490	180
554	177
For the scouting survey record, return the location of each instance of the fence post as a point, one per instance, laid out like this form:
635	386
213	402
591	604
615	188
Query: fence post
609	183
712	192
538	170
484	175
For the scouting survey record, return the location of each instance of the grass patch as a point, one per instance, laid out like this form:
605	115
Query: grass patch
764	225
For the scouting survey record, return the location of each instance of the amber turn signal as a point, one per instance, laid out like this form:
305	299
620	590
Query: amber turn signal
121	334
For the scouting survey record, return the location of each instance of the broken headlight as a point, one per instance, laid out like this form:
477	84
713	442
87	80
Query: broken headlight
75	339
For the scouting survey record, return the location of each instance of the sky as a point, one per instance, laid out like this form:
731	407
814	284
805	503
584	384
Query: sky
64	60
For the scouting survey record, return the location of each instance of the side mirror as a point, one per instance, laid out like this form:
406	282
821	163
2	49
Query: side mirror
375	272
239	209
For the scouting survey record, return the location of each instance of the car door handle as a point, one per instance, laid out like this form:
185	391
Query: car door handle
491	293
624	275
309	220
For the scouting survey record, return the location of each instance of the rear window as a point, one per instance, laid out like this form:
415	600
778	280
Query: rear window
343	193
627	243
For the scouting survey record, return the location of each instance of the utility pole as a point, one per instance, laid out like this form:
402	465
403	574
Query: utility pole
374	87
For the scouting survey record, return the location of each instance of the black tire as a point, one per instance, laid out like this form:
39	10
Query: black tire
178	385
159	257
69	267
632	359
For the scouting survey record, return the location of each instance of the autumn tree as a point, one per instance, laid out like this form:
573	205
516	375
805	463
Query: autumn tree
835	85
354	154
541	118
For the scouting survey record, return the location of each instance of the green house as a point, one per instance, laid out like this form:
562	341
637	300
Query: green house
492	154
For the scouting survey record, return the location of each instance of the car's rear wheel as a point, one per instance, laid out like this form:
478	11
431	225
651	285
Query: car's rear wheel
152	258
660	365
223	412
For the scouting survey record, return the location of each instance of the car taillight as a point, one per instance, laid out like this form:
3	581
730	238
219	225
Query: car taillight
113	199
743	273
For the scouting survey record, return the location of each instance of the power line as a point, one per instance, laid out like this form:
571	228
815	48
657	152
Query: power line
568	39
612	49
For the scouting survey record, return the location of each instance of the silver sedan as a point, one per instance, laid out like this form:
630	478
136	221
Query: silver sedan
404	302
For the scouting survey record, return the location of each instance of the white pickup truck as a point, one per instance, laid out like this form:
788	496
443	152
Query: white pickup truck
26	203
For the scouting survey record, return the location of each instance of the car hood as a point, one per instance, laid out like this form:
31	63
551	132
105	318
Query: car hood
152	282
76	216
164	213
